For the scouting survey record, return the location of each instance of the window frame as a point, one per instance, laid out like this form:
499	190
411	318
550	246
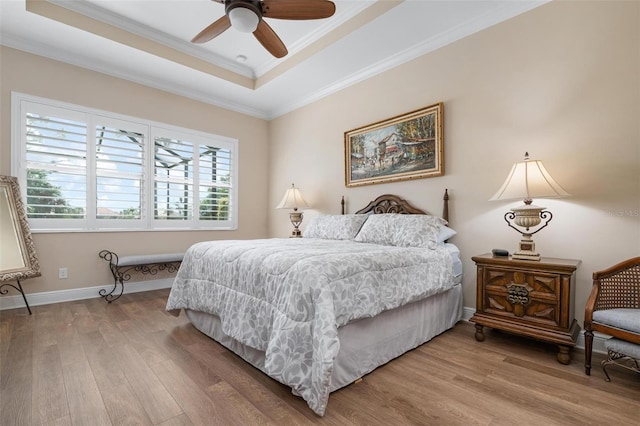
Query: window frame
22	103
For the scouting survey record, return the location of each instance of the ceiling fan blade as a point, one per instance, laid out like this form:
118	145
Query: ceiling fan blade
298	9
213	30
270	40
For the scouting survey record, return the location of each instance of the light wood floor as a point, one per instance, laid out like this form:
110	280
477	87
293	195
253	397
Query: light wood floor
92	363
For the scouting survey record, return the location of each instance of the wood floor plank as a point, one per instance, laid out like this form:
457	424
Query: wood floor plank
49	395
69	344
62	421
245	412
507	408
153	395
83	395
391	407
198	372
200	408
123	406
140	313
187	334
440	386
104	360
16	385
294	403
617	388
84	398
82	319
567	408
435	396
44	332
110	333
181	420
261	396
6	326
561	411
113	312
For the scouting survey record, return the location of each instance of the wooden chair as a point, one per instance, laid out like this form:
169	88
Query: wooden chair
613	307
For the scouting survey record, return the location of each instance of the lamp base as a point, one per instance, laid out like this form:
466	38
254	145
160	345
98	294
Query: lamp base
526	249
296	220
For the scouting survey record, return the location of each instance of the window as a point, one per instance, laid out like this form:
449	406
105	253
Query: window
85	169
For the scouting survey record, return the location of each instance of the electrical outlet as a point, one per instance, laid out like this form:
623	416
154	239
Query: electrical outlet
62	274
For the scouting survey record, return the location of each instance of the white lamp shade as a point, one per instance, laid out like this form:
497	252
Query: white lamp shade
529	179
243	19
292	199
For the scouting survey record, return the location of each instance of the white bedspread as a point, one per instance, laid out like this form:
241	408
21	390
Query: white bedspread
287	297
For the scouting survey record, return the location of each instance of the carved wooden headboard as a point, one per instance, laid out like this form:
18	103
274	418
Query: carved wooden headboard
389	203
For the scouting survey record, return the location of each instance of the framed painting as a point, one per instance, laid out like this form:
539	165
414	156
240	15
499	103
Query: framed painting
409	146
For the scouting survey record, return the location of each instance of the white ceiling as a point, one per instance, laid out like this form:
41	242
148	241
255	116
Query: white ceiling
148	41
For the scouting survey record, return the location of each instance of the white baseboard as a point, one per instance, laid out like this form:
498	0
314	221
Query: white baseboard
598	338
58	296
467	313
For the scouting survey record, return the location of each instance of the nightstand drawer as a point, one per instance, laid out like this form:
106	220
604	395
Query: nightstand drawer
533	297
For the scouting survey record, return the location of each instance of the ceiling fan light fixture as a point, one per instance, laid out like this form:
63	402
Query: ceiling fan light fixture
243	19
246	16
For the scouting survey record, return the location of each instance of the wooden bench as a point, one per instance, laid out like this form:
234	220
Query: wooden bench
149	264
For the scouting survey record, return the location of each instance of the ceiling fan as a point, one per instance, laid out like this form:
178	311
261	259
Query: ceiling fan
247	16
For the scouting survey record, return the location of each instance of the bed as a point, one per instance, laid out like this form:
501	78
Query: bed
319	312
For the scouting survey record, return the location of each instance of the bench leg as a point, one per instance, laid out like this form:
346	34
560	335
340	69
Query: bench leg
112	258
621	360
111	296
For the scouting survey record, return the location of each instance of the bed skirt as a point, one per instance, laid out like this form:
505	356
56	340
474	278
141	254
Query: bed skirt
367	343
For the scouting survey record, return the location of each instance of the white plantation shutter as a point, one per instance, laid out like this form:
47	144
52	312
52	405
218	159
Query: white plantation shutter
215	183
90	170
193	180
55	155
120	169
174	175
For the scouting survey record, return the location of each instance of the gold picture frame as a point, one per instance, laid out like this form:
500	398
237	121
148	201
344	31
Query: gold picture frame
19	260
408	146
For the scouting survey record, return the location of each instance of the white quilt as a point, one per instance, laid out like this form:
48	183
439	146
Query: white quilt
287	297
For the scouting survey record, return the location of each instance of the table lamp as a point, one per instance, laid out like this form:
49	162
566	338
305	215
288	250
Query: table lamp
292	200
526	180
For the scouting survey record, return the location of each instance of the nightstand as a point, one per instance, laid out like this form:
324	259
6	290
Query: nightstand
528	298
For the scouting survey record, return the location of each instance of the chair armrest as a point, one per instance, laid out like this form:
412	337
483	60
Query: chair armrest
591	304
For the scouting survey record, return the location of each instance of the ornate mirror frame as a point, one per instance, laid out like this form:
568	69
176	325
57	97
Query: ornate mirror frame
19	259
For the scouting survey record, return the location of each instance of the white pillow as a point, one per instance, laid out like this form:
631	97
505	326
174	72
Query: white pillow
445	233
402	230
335	227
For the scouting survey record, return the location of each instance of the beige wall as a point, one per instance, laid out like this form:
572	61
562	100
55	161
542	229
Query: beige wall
561	81
34	75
